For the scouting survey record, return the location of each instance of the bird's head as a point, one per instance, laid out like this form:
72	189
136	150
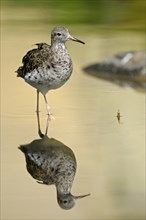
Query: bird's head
61	35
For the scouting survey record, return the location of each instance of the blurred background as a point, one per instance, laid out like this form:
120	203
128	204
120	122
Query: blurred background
113	14
110	155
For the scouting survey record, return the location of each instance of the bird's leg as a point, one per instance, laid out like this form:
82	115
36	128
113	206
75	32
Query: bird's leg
47	106
38	116
39	127
37	108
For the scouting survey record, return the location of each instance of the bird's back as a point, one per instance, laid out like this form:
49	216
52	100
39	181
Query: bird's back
46	69
34	59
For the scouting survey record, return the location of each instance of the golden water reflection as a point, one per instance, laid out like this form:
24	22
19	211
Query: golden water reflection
110	155
51	162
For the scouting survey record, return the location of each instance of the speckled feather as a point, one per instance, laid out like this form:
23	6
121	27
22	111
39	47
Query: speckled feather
51	162
41	66
48	67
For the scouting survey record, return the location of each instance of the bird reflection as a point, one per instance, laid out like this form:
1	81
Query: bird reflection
51	162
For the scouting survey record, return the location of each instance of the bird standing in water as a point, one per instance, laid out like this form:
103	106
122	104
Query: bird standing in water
48	67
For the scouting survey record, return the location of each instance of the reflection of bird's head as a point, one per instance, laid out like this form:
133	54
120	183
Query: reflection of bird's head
48	160
67	201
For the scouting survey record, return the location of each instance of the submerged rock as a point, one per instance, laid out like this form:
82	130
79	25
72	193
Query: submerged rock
122	69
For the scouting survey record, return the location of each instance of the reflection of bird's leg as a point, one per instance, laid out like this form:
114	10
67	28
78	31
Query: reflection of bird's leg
47	124
38	116
37	108
47	106
39	128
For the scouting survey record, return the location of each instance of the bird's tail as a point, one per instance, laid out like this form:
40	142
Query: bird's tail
20	72
23	148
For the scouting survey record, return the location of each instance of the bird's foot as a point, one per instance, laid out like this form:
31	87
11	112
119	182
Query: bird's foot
50	116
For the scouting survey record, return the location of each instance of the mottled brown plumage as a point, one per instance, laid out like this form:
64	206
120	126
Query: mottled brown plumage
51	162
48	67
33	59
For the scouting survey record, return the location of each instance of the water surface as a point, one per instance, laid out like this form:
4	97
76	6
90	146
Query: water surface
110	155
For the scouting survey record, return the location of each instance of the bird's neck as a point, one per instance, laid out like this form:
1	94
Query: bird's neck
55	46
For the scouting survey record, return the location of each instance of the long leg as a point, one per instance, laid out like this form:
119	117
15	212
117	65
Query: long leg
47	106
39	127
37	108
47	124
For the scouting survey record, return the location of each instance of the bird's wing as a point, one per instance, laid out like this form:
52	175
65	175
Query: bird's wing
34	59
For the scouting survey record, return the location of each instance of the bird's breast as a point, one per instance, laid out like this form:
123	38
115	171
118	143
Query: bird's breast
52	72
60	62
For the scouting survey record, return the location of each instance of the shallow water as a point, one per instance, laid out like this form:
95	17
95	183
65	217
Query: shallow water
110	155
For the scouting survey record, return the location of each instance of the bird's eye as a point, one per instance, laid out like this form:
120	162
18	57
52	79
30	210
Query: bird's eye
65	201
58	34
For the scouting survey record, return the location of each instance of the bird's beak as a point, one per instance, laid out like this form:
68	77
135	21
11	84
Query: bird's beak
80	197
75	39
